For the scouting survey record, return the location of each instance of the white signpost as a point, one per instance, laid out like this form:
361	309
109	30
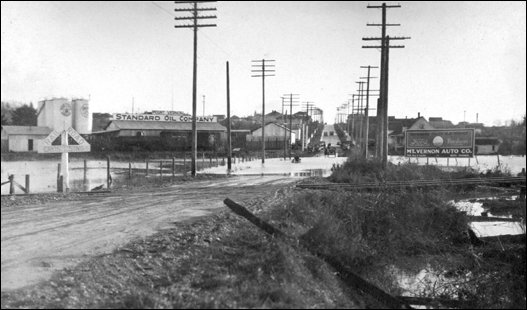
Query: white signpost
46	146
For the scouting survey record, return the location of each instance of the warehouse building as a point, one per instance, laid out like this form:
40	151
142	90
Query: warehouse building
23	138
156	132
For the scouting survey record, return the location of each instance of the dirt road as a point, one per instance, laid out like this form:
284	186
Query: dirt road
40	239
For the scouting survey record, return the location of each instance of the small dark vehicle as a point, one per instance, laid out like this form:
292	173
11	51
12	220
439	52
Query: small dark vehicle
296	159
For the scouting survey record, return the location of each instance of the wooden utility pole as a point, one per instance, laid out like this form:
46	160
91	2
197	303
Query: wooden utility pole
352	133
382	105
261	69
360	110
293	100
229	144
194	10
366	112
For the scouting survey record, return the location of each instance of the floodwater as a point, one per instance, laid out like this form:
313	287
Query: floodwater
488	229
482	163
308	166
43	174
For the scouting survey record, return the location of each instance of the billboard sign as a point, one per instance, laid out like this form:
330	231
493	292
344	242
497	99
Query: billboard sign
458	142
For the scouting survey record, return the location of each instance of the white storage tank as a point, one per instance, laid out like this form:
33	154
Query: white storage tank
55	113
82	118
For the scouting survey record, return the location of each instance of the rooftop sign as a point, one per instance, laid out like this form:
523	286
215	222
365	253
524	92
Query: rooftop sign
161	118
440	143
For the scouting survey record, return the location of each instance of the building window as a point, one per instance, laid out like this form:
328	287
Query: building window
139	134
30	144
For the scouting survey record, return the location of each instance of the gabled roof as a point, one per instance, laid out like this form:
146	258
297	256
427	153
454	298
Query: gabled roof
175	126
272	123
397	124
27	130
441	124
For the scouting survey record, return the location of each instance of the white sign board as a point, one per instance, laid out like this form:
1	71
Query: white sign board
46	146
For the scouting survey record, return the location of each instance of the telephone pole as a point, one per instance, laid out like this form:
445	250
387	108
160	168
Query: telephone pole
229	142
382	103
361	100
195	11
203	105
262	68
366	134
293	101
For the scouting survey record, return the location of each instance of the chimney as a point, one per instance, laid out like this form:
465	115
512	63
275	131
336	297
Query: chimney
418	114
477	117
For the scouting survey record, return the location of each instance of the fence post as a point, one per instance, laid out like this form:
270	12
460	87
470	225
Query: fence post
210	161
161	168
59	182
129	170
184	163
147	167
27	184
108	176
173	166
85	172
60	185
11	184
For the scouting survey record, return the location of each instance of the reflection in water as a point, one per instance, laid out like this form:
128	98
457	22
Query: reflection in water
43	174
474	207
312	173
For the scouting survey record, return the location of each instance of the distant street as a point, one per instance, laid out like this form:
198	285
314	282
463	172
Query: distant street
329	135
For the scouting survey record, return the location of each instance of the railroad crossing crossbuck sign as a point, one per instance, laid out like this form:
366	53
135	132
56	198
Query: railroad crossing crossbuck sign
47	147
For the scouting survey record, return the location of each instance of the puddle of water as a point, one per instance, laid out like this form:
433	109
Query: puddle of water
312	173
474	207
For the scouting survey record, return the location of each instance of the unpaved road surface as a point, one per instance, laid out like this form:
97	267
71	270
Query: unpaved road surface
40	239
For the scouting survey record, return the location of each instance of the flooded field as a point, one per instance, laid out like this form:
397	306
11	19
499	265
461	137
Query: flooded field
43	174
514	164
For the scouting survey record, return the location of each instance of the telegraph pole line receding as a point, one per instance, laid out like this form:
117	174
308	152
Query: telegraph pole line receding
260	68
366	134
195	11
382	104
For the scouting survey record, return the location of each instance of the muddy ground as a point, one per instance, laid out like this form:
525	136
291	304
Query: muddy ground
216	261
43	236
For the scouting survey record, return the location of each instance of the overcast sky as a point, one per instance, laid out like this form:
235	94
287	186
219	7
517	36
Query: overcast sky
462	56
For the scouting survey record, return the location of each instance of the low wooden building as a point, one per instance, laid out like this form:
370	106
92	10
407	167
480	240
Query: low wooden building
23	138
487	145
